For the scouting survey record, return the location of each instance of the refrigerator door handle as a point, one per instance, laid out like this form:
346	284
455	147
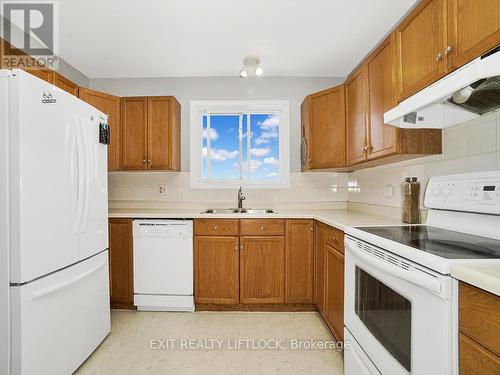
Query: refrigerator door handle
87	177
80	195
43	292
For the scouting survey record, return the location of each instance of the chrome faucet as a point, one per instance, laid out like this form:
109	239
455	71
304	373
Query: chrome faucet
241	198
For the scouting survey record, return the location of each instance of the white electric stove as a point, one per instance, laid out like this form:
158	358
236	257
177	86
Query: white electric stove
401	304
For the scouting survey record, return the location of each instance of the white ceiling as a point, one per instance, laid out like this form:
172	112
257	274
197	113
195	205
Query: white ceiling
181	38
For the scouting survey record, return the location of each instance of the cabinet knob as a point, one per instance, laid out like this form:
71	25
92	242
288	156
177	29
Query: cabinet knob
216	227
447	50
241	247
261	227
236	247
149	161
143	160
310	160
312	229
439	56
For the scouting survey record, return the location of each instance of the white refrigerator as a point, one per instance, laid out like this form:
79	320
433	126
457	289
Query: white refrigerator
54	295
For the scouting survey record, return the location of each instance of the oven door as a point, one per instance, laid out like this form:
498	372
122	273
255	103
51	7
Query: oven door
399	312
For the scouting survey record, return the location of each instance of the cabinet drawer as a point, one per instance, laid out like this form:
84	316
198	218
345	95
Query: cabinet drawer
262	227
479	317
335	238
216	227
476	360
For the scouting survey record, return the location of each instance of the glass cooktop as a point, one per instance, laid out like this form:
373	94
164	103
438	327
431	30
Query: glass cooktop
440	242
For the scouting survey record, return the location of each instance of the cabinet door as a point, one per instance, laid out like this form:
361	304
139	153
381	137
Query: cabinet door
134	129
473	28
319	266
216	267
262	269
63	83
110	105
121	274
382	139
327	129
356	111
334	280
159	133
299	261
420	41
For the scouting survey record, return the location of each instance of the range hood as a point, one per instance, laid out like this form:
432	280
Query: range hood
462	95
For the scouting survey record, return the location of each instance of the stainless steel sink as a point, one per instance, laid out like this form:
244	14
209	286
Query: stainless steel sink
226	211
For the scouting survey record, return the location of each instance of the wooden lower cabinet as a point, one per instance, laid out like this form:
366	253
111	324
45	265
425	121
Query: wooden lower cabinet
216	269
262	269
319	266
299	273
334	291
121	273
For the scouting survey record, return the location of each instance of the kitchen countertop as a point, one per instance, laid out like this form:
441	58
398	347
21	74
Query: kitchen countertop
481	276
486	277
337	218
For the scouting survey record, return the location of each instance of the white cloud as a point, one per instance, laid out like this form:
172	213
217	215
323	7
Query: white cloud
219	154
254	165
272	121
272	160
266	136
258	152
213	134
272	175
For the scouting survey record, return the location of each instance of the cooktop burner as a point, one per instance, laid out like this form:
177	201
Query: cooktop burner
440	242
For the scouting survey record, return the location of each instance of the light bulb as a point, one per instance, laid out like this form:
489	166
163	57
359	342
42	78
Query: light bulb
243	73
259	70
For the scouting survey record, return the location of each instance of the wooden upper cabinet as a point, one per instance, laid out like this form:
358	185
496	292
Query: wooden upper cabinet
473	28
334	301
63	83
356	116
121	279
163	133
216	260
151	133
323	129
262	269
134	130
420	45
382	97
299	261
110	105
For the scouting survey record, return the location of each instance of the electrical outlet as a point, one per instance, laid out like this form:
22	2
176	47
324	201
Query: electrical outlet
162	191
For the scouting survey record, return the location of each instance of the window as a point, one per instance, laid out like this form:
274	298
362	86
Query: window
237	143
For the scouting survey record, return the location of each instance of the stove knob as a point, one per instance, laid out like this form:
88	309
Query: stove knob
436	191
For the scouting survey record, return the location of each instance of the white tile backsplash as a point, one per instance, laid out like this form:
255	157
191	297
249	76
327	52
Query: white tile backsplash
319	189
467	147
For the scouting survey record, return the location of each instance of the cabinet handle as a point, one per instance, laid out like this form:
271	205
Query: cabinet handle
439	56
216	227
447	50
261	227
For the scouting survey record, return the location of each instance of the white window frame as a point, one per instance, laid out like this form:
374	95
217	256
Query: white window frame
200	107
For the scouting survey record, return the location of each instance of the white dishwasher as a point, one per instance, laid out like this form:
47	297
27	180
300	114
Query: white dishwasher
163	265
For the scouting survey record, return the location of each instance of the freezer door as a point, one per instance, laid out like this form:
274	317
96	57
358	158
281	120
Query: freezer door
59	320
93	220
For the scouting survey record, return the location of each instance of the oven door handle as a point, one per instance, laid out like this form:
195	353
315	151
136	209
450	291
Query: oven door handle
428	282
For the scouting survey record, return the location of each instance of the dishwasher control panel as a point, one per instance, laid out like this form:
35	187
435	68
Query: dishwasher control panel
163	228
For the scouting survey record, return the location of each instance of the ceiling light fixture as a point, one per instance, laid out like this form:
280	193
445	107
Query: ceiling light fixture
251	66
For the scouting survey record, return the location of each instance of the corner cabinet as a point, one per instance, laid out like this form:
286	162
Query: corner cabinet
323	129
150	133
110	105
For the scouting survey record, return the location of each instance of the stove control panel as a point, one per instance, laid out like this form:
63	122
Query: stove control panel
471	192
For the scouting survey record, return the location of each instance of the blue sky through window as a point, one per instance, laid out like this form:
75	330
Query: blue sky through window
227	153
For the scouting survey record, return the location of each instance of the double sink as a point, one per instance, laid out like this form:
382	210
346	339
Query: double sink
226	211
